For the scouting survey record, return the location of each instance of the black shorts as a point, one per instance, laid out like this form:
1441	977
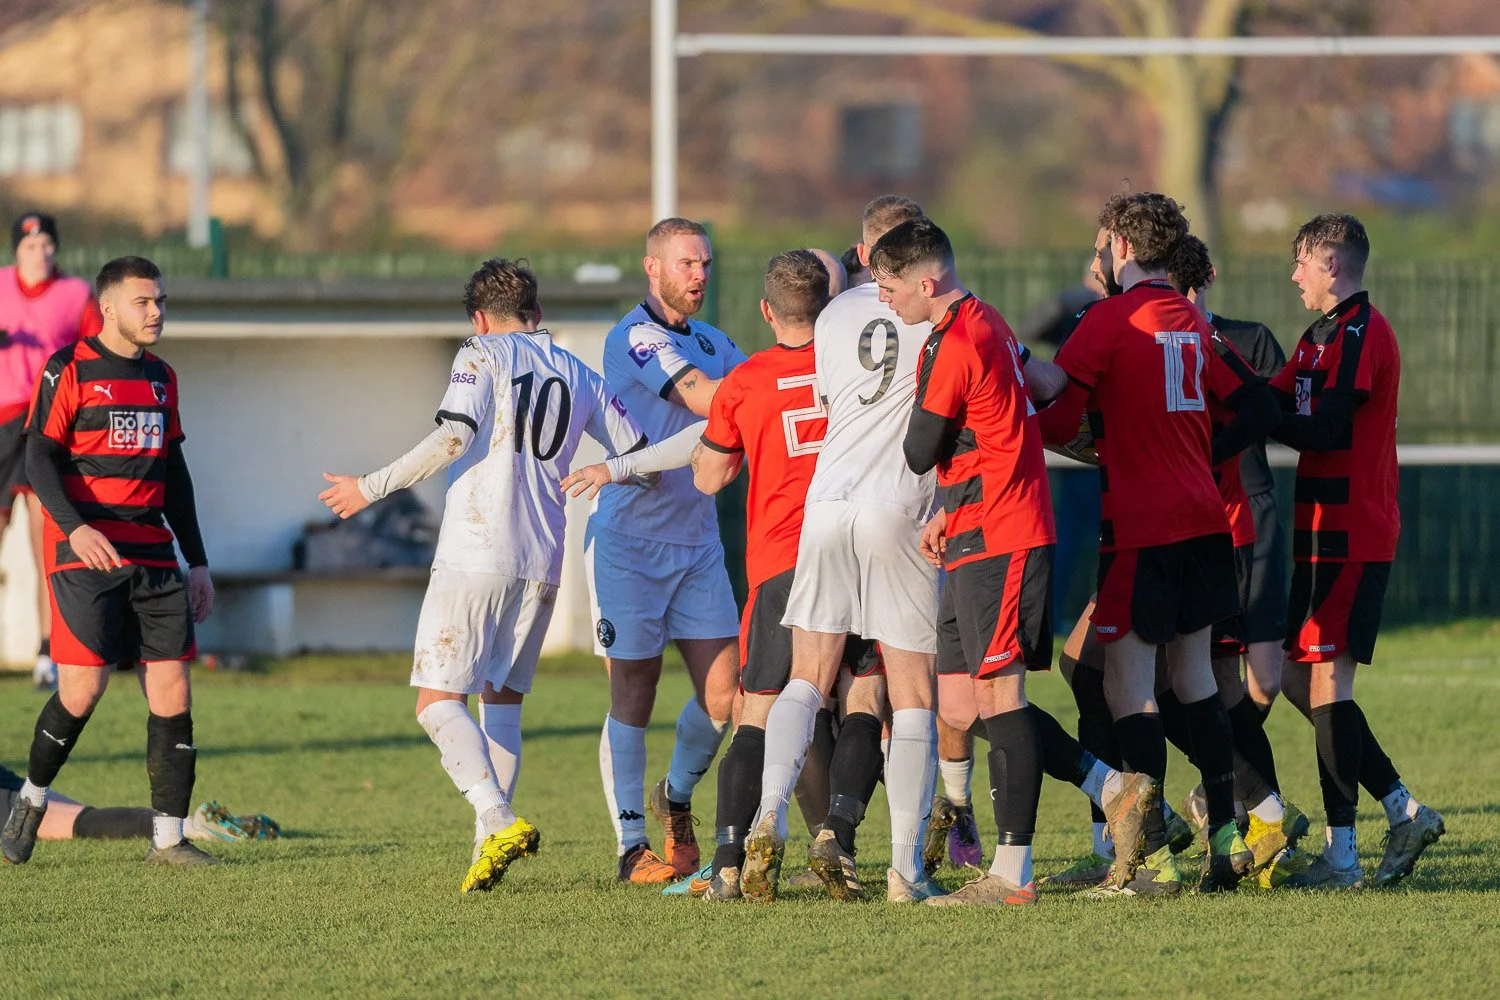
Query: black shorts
127	614
1163	591
13	458
995	612
1334	608
766	644
1265	611
1228	636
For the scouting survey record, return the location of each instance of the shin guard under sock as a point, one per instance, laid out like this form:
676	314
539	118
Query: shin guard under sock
171	762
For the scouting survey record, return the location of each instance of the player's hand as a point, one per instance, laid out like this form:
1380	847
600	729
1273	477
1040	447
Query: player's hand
94	549
587	481
344	497
200	593
935	538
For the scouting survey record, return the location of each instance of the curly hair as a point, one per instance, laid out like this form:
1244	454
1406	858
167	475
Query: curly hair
1151	223
796	286
502	288
1191	268
1343	234
918	241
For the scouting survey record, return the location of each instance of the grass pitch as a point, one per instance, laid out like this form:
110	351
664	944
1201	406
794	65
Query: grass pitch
360	898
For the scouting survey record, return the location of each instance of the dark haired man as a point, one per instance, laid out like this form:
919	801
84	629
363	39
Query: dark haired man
1166	570
104	454
1339	390
41	311
515	408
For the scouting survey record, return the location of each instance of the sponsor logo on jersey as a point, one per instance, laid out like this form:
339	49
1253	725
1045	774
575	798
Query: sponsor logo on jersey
1354	330
704	342
159	390
619	407
642	353
462	378
51	378
1304	395
137	429
605	632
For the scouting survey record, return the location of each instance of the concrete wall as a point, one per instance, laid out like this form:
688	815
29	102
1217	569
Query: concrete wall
272	397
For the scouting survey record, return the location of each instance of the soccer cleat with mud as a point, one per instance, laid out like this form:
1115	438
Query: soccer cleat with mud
834	867
681	847
898	890
496	852
1195	812
1125	811
1229	860
763	850
211	821
1404	844
939	822
183	854
18	839
1321	875
1267	840
1284	866
1180	835
1089	870
1155	877
964	847
988	890
722	887
640	865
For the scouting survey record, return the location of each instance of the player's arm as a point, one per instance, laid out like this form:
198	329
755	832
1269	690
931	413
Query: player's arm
1045	380
613	427
943	376
714	466
1082	359
466	403
1256	413
181	509
693	389
1325	429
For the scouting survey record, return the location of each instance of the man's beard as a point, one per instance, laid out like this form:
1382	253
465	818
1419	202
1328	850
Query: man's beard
1112	286
676	298
137	335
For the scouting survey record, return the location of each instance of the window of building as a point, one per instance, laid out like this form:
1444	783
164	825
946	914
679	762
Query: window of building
228	153
42	138
881	141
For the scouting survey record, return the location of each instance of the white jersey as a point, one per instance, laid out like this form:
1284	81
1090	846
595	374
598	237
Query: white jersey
529	402
867	370
643	359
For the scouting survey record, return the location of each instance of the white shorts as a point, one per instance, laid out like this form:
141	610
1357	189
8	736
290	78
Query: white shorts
859	571
646	593
478	628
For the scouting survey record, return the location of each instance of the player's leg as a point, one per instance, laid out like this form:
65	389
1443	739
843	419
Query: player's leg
1082	665
89	614
853	771
45	673
1266	610
630	581
811	791
500	718
958	710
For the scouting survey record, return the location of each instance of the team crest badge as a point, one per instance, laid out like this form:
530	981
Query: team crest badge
705	343
159	390
605	632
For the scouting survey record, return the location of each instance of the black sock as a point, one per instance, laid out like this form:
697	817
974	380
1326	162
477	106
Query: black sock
1251	741
1339	739
856	767
1143	748
112	823
812	782
1213	752
45	647
1015	775
1376	772
1096	727
171	762
1063	757
739	794
55	735
1264	711
1174	723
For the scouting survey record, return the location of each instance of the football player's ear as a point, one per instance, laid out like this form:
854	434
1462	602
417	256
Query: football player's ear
765	312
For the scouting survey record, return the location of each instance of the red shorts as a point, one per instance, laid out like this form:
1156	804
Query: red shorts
1163	591
996	612
1334	608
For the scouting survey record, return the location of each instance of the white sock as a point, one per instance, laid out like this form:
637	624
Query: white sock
698	739
957	776
165	830
789	732
1099	778
1400	806
35	794
1338	847
1269	809
1103	845
466	757
622	765
1013	864
910	774
502	731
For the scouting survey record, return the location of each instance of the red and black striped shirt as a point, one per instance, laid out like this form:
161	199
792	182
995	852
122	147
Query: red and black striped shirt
115	418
